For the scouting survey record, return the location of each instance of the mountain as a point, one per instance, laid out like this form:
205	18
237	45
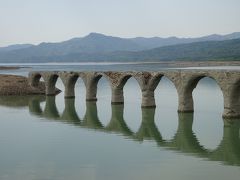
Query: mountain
15	47
93	43
207	50
99	47
154	42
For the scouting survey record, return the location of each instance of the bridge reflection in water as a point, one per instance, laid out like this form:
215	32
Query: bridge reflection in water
184	140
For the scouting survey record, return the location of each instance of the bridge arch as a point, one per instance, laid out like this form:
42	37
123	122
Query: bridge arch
151	83
34	79
194	80
208	98
166	97
156	80
146	83
207	81
123	80
69	80
132	95
185	91
117	81
103	95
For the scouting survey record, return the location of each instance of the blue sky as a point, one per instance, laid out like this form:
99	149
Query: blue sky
35	21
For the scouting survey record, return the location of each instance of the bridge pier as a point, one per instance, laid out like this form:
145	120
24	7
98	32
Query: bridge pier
69	80
185	101
50	88
91	93
231	104
91	85
50	81
148	100
231	110
117	96
69	91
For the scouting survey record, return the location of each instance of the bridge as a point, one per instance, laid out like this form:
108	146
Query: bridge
184	81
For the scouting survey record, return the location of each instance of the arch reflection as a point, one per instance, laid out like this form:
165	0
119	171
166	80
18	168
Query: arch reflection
184	140
50	111
117	123
148	129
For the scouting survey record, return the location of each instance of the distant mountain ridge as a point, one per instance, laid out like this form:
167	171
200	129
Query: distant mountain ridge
15	47
206	50
160	42
99	47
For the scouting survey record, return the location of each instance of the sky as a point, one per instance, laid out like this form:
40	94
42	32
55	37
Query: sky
36	21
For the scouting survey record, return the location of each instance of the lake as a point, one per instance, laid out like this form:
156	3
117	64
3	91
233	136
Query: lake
48	138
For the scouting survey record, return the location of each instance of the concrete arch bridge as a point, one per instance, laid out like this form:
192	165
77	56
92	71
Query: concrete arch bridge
184	81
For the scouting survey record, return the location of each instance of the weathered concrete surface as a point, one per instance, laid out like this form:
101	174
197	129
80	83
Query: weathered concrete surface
184	80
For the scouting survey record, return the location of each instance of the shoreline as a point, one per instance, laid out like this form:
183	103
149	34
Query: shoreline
9	67
181	64
203	63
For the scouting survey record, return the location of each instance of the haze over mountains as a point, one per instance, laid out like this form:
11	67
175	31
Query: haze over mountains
99	47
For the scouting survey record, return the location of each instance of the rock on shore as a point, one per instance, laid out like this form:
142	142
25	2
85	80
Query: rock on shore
18	85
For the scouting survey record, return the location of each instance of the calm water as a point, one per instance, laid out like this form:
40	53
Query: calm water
45	138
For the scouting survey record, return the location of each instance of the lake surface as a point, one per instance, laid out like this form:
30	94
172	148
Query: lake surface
45	138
